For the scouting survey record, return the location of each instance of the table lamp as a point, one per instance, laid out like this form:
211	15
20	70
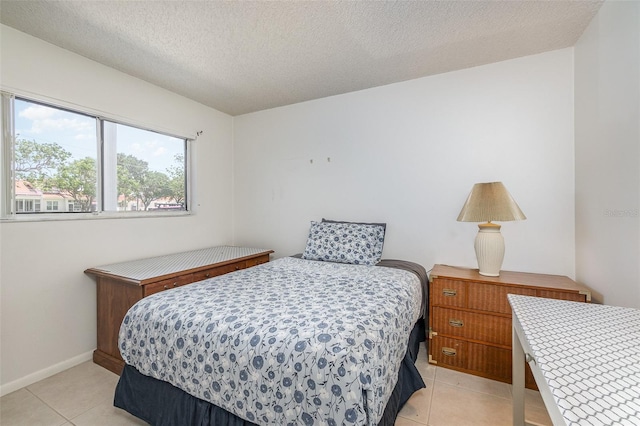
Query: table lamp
488	202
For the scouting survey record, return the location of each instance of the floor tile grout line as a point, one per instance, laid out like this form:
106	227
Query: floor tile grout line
510	398
46	404
477	391
67	419
433	383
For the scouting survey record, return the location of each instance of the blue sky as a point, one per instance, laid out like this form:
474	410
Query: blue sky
76	133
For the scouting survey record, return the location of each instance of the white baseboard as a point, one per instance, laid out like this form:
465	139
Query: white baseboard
44	373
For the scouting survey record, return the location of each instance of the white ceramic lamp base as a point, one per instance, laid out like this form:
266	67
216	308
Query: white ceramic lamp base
489	247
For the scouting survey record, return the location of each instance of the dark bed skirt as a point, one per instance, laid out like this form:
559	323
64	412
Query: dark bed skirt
162	404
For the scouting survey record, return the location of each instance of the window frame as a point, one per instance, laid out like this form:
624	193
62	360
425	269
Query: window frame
8	209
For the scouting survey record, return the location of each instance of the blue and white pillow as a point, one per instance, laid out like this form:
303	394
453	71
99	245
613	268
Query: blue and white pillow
343	242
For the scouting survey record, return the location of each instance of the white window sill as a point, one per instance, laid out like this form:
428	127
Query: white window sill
46	217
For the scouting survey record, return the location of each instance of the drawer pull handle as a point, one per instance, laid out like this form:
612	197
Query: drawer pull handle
456	323
175	284
166	287
448	292
449	351
207	275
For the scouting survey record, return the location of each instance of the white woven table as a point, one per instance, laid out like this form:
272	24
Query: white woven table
585	359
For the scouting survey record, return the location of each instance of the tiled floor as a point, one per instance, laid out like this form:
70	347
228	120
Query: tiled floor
83	396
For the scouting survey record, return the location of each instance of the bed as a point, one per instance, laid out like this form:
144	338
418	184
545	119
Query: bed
320	338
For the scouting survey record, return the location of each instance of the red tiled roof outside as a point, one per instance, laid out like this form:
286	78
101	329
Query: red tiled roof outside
25	188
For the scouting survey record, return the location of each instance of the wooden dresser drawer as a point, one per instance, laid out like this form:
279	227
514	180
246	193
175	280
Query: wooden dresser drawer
448	293
256	261
484	360
163	285
562	295
220	270
474	358
493	298
486	328
207	273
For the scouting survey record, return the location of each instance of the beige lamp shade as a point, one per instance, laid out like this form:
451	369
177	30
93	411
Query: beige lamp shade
487	202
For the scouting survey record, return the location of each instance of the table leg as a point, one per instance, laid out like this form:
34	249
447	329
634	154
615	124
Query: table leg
518	380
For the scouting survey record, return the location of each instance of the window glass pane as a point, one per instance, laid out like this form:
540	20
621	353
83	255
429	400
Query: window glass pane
55	159
59	166
53	206
143	170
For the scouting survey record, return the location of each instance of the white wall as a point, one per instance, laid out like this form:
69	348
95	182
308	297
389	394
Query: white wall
607	108
408	154
47	311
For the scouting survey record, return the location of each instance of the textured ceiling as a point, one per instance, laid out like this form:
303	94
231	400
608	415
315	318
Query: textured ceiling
240	57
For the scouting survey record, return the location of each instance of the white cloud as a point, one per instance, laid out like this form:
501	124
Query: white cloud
57	124
85	136
153	147
44	119
37	112
160	151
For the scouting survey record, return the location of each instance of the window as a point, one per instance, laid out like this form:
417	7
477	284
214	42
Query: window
149	167
26	206
74	162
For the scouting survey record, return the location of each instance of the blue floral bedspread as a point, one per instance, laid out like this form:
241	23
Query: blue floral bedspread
292	341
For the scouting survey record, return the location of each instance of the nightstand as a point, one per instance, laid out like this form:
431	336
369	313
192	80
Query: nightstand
470	317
